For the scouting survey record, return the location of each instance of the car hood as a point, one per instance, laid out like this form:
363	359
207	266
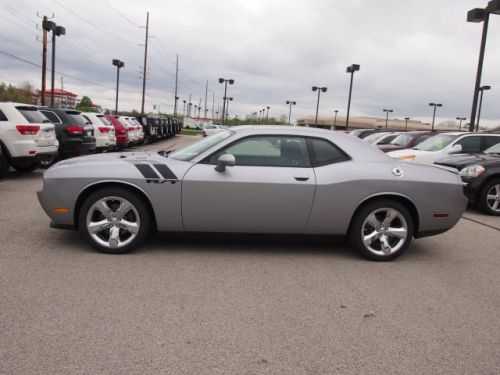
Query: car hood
141	165
409	151
387	148
461	161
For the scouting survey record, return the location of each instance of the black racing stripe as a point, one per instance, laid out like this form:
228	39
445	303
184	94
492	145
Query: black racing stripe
146	170
165	171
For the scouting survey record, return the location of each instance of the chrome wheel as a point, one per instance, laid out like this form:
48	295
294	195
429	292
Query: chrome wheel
493	198
113	222
384	231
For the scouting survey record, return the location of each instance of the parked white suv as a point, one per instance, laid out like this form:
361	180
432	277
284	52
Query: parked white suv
446	144
26	137
104	131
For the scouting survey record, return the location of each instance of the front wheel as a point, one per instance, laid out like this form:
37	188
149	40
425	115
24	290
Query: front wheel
114	220
381	230
489	198
4	164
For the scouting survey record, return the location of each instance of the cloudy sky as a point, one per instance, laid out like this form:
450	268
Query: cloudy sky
410	52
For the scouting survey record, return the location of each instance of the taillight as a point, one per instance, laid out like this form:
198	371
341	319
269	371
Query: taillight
28	129
76	130
104	130
130	129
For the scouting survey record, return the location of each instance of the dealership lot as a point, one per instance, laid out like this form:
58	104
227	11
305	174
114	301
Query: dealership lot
242	304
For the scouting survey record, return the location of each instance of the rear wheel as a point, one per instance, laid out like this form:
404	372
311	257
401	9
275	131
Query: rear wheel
489	198
50	160
381	230
114	220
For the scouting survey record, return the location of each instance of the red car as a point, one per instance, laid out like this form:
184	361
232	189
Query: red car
407	140
121	131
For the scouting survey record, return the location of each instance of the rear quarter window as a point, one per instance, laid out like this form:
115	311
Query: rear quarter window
491	141
52	117
32	115
324	152
3	117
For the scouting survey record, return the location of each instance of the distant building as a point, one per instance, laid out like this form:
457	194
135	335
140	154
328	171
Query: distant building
62	98
367	123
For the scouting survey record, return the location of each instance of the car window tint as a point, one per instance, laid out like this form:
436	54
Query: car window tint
386	140
2	116
326	152
470	144
422	138
269	151
490	141
32	115
104	120
52	117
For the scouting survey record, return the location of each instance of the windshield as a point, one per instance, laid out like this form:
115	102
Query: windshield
373	137
493	149
75	118
386	139
402	140
436	143
33	115
104	120
201	146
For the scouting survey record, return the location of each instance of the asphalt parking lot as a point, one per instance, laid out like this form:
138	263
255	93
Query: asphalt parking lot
210	304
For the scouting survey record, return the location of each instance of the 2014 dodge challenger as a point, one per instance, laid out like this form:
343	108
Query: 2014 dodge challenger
255	179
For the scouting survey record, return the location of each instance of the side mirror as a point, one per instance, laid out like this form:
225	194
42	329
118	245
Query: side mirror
226	160
455	149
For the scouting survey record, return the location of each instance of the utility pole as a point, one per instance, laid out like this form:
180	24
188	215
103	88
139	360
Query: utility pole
213	105
144	71
189	107
199	108
62	92
44	57
176	84
206	93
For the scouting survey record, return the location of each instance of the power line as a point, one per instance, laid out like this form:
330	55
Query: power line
121	14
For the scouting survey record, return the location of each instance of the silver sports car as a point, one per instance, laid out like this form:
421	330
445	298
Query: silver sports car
261	179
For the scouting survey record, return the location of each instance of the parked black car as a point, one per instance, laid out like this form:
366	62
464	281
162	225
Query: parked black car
163	126
481	176
73	131
150	127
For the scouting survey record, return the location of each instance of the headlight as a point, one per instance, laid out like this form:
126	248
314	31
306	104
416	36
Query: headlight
407	157
472	171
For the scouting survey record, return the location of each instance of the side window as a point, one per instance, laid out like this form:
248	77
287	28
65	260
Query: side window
268	151
490	141
2	116
52	117
470	145
324	152
421	139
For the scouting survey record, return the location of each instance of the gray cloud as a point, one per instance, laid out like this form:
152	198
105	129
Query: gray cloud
411	52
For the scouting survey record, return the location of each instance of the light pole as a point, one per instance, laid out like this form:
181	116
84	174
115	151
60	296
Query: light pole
227	106
56	31
184	108
319	90
225	82
267	114
335	119
119	64
480	15
189	109
406	122
434	113
460	124
481	90
195	108
290	103
387	111
350	69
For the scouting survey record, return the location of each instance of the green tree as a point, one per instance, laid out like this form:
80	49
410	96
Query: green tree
85	105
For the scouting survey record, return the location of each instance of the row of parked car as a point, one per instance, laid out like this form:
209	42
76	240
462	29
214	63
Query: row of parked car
32	137
476	156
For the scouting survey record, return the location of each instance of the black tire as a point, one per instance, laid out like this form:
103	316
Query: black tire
204	134
49	161
4	164
361	228
26	168
488	207
141	210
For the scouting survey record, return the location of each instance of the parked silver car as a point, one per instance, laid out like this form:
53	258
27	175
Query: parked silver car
264	179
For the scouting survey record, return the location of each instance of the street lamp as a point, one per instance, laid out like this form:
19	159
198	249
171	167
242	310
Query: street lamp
460	124
227	105
184	107
56	31
225	82
335	119
195	108
480	15
267	115
406	122
290	103
119	64
434	113
387	111
350	69
481	90
319	90
189	109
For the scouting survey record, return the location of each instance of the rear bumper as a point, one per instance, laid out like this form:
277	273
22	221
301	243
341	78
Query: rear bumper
76	147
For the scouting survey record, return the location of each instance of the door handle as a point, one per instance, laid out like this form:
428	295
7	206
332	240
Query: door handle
301	178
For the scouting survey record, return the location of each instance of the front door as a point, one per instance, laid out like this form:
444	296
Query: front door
269	190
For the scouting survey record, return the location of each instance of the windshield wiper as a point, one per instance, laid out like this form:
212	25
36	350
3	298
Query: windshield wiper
165	153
